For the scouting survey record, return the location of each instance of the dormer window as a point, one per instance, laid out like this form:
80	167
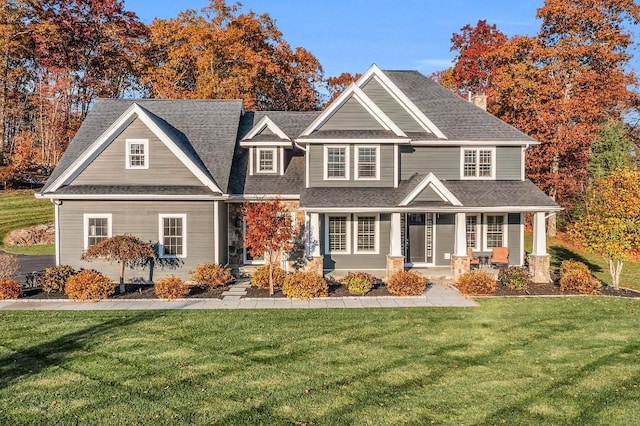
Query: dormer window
478	163
137	154
266	160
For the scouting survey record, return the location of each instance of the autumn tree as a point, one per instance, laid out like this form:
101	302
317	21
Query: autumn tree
336	85
126	250
611	225
610	151
269	232
221	53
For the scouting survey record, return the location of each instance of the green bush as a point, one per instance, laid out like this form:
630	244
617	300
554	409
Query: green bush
572	265
406	283
579	280
476	282
359	282
260	278
304	285
514	277
9	288
211	274
55	278
88	285
170	288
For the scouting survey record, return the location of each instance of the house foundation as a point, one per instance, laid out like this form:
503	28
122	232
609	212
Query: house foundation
539	266
459	266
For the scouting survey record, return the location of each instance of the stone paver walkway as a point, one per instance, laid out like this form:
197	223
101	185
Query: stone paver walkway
437	295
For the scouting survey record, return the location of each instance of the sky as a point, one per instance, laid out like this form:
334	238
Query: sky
350	35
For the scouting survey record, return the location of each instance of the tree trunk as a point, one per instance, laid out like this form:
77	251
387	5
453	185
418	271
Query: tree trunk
122	278
270	274
615	269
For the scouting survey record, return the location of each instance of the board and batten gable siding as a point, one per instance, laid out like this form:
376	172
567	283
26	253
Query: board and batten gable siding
351	116
355	261
316	168
109	168
141	219
396	112
444	162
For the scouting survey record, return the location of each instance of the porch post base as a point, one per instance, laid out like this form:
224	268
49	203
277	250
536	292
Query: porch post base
394	264
460	265
539	266
315	264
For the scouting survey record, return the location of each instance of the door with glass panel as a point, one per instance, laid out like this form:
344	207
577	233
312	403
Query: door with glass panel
420	244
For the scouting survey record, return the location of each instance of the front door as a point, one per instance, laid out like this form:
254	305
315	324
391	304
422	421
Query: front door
420	238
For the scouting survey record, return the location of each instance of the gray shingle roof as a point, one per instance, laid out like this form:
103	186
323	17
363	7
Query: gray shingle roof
458	119
290	122
205	130
494	193
291	183
351	134
134	190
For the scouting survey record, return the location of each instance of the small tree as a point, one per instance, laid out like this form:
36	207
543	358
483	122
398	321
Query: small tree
124	249
610	226
610	151
269	231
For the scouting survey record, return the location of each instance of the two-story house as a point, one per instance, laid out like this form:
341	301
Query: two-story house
397	172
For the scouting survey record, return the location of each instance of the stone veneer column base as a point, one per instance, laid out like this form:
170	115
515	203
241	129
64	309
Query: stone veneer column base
539	268
459	265
315	264
394	264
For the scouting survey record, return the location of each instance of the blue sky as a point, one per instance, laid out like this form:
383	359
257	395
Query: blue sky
350	35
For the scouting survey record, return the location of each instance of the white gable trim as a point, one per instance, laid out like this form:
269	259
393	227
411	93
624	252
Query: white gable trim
265	123
354	91
398	95
435	183
118	126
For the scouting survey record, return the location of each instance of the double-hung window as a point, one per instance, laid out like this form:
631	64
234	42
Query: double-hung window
97	227
366	233
336	162
495	231
173	235
367	162
478	163
137	154
337	234
472	231
266	160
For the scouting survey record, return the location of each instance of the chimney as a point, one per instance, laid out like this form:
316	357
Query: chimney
479	100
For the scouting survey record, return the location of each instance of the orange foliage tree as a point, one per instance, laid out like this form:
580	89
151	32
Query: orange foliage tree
269	232
336	85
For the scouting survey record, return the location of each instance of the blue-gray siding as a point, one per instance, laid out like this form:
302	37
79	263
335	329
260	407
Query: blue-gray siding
390	106
316	169
445	237
351	116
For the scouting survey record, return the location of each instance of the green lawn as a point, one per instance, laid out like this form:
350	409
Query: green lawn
560	251
511	361
20	209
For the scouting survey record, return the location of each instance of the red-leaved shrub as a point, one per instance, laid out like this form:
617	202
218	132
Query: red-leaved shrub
89	285
305	285
9	288
406	283
476	282
170	288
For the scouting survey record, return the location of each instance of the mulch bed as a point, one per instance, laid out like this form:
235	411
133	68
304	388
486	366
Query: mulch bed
553	289
133	291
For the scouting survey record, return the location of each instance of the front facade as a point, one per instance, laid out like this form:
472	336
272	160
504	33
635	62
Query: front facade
397	172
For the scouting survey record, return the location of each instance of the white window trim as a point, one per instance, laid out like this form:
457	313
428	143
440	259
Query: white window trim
88	216
477	150
478	230
274	162
327	247
145	143
356	160
505	230
347	167
376	249
245	250
161	253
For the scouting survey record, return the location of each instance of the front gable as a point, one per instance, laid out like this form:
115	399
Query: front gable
430	189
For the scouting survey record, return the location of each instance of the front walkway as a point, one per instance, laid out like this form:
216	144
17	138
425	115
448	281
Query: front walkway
436	295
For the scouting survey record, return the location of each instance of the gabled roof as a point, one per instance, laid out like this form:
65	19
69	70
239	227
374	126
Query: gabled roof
204	131
431	182
266	131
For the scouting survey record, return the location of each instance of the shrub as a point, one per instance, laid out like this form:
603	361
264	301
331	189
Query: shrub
55	278
260	278
406	283
211	275
514	277
572	265
170	288
304	285
88	285
579	280
476	282
359	282
8	265
9	288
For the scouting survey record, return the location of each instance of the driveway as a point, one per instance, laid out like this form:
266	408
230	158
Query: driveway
34	263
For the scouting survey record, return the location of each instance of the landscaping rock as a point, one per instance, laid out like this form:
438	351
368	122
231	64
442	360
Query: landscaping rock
36	235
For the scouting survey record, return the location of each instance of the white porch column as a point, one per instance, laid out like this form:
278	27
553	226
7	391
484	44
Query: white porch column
396	235
460	246
539	235
313	243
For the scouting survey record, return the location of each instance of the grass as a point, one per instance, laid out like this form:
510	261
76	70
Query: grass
561	250
20	209
511	361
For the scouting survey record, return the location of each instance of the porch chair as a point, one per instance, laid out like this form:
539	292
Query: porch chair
500	256
474	262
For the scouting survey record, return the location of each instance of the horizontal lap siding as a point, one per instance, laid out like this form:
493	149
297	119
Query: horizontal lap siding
358	262
444	162
509	163
514	243
109	168
351	116
396	112
138	218
445	237
316	168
